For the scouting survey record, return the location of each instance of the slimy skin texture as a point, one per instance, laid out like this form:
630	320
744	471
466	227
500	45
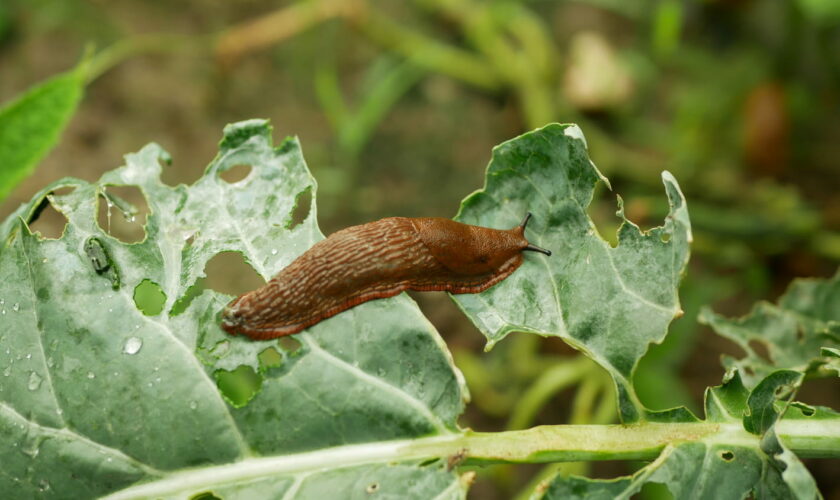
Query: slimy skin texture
373	261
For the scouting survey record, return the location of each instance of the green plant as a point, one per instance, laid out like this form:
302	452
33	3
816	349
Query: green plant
103	395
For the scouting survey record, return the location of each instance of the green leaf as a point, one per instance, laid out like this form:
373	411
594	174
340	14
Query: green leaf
728	464
795	333
31	124
98	393
610	303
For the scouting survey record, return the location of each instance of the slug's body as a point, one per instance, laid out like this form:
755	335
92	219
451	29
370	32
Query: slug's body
373	261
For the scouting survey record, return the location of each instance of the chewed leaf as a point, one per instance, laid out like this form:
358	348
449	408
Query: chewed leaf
745	458
610	303
105	389
800	333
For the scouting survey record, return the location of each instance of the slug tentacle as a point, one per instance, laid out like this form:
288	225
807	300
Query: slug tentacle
377	260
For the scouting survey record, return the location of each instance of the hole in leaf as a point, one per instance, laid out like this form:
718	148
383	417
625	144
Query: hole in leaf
270	358
205	495
303	204
101	262
149	298
289	344
185	300
229	273
760	349
726	455
372	488
122	213
236	173
665	237
655	490
782	390
47	221
806	410
238	386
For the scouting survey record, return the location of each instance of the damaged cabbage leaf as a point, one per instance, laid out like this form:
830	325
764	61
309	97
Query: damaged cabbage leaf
97	396
801	332
744	458
610	303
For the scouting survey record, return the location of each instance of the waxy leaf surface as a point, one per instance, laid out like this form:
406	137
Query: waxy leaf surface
610	303
96	396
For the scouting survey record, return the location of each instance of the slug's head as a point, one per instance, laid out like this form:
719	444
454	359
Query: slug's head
474	250
232	317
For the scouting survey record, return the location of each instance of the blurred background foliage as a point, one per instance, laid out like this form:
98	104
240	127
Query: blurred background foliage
399	104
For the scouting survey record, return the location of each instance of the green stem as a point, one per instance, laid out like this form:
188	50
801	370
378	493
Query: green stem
130	47
559	443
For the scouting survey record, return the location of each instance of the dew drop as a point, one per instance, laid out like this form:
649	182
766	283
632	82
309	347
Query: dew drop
274	252
29	356
7	371
2	301
43	485
91	375
34	381
193	405
16	307
4	311
132	345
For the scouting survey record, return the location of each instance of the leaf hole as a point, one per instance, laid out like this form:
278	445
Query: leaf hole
185	300
289	344
726	455
205	495
270	358
46	221
238	386
655	490
760	349
372	488
806	410
665	236
303	205
229	273
236	173
782	390
122	212
149	297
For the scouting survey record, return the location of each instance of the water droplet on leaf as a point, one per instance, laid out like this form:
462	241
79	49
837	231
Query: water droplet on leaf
132	345
91	375
16	307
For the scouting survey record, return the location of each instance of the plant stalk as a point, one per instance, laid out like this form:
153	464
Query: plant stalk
557	443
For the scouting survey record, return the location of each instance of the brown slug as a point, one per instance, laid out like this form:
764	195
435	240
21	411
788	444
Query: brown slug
373	261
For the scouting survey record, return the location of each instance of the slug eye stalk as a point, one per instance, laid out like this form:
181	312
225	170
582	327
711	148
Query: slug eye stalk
530	247
535	248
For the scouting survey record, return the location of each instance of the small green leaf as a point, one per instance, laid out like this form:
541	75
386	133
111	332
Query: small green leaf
31	124
610	303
